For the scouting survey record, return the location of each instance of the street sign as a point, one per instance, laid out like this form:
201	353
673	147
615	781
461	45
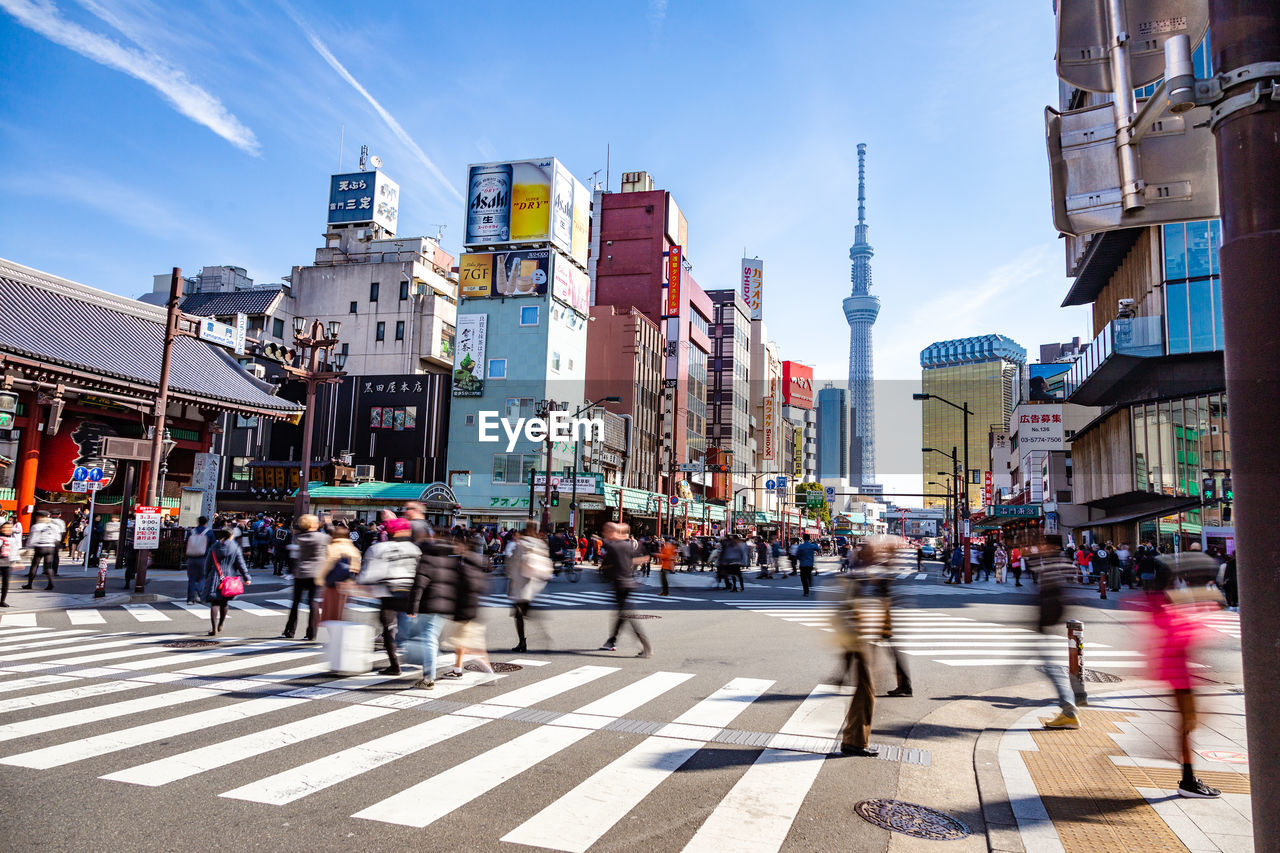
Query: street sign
830	494
1084	35
674	500
80	473
812	500
146	528
1179	168
95	475
782	482
691	467
770	484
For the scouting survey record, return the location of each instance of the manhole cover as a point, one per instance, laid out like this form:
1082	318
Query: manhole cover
1092	676
190	644
911	819
474	666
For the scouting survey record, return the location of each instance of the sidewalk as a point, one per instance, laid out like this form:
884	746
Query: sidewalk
1112	784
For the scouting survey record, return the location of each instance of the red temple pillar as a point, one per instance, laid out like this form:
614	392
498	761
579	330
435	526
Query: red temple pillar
28	462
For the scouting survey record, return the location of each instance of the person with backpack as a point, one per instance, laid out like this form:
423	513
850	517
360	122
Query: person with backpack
528	571
341	568
390	568
806	553
313	547
226	575
43	542
281	538
199	540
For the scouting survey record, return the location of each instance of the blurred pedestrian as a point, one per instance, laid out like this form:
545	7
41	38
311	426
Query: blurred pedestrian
1053	569
340	572
313	548
10	547
667	559
620	555
467	634
389	568
43	544
199	540
806	554
528	570
224	565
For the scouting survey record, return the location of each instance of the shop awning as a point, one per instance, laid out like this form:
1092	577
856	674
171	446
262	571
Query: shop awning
1169	506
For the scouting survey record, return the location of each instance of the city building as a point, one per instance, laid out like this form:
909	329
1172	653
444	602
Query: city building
624	359
729	436
636	231
839	449
766	407
861	310
1155	367
798	409
983	374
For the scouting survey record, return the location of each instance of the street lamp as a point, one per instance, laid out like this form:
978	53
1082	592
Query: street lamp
966	412
167	444
314	349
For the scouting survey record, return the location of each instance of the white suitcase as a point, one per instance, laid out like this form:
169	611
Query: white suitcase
348	647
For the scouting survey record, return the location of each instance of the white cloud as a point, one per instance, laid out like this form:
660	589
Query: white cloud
172	83
390	120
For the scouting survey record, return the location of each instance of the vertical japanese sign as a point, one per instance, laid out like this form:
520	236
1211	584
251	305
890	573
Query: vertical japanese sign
146	528
468	355
753	286
769	405
987	491
674	268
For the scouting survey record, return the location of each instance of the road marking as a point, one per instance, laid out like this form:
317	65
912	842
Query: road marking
1111	664
83	691
129	640
578	819
97	714
85	617
255	609
432	799
145	613
198	609
40	641
329	770
18	620
199	722
33	681
175	767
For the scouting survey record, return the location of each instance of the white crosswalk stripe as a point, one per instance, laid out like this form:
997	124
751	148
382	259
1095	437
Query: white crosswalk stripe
85	617
1225	622
145	613
18	620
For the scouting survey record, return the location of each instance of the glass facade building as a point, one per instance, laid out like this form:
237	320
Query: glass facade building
1192	287
980	372
835	421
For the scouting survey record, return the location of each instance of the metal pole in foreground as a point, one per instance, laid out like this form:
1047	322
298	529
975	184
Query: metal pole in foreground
1248	147
1075	660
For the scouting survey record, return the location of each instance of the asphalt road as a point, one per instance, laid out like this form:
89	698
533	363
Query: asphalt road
664	753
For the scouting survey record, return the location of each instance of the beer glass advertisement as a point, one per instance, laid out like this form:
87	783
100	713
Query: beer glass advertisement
364	197
524	272
571	286
468	355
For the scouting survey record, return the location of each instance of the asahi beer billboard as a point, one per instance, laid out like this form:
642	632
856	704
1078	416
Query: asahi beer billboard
522	272
753	286
468	355
527	201
362	197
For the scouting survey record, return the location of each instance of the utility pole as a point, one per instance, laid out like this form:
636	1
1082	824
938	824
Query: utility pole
547	409
1247	33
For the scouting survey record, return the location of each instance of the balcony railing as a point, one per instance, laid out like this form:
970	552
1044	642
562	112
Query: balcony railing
1121	339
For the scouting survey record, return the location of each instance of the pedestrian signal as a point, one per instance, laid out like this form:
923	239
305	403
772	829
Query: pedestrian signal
1226	489
1207	491
555	497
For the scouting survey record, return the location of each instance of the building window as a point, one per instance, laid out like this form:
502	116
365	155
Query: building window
512	469
555	361
373	292
497	368
352	309
277	328
381	332
447	333
399	330
529	315
404	290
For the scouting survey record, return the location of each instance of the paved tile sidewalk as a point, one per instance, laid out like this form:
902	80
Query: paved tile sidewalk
1112	784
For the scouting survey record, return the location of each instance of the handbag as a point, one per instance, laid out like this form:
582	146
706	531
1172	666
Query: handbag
229	586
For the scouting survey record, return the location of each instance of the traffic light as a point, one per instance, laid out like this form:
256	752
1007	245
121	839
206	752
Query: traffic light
555	497
8	407
1226	513
1226	489
1207	489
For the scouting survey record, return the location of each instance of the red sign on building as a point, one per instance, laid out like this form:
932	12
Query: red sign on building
674	269
797	384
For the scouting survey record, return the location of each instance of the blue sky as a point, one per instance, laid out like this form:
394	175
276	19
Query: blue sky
143	136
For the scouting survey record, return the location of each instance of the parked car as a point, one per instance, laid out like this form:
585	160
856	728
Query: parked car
930	553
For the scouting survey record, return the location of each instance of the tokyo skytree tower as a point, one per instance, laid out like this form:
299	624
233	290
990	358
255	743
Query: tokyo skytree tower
861	310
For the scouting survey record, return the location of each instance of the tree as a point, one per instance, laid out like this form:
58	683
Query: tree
823	512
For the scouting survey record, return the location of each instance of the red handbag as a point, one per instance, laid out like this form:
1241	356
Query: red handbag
229	586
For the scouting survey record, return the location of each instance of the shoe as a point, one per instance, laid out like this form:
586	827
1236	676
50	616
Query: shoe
212	633
1196	789
1017	584
423	684
645	653
286	636
49	588
4	604
863	751
389	670
608	647
1063	721
520	648
453	673
26	586
900	691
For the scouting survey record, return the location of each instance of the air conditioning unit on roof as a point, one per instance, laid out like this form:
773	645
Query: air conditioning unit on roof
364	473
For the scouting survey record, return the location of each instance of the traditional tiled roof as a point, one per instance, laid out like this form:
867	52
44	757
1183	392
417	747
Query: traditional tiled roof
60	322
256	301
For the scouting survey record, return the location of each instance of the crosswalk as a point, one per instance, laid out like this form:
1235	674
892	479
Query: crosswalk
587	597
288	732
1225	622
956	641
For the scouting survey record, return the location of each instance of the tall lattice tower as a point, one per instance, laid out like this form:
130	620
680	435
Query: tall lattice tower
861	310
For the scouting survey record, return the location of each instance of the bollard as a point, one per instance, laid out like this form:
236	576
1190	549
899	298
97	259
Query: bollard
1075	660
100	590
1102	584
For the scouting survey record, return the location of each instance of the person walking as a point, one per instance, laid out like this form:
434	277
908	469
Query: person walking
1053	569
339	573
855	734
734	556
919	558
10	547
1001	562
224	563
313	552
42	541
433	600
954	563
199	540
806	554
617	569
390	567
467	636
528	570
667	561
988	558
1015	563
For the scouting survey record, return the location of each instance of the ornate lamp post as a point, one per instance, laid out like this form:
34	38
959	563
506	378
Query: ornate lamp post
314	363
